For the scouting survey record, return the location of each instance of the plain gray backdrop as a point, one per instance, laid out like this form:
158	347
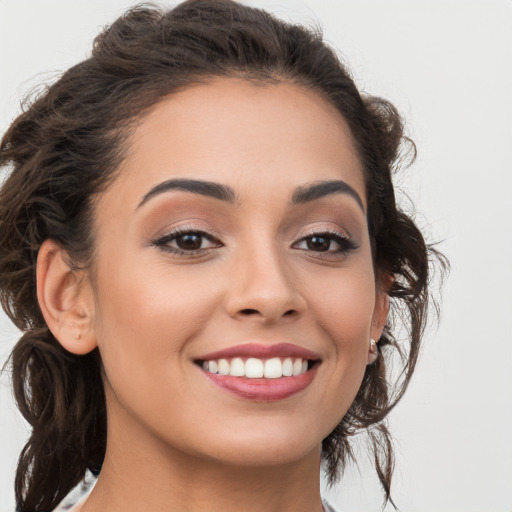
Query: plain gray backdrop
447	66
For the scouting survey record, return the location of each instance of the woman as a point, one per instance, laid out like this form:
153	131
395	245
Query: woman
201	244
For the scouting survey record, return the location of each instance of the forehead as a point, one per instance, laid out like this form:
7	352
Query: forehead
248	135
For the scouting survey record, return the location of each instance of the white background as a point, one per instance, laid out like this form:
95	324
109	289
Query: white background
447	66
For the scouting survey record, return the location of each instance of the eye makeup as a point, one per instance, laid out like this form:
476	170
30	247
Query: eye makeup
192	227
187	241
326	241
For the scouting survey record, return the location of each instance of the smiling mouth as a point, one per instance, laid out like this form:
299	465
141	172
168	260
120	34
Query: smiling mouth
261	372
255	368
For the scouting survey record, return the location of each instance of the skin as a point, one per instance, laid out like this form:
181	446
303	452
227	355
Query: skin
173	436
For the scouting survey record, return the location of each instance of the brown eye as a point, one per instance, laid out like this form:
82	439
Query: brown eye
183	243
326	242
189	241
318	243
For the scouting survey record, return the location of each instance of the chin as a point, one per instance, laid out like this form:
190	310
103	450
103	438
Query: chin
270	446
259	457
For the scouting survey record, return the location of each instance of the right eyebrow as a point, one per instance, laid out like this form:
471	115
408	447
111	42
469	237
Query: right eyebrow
204	188
320	189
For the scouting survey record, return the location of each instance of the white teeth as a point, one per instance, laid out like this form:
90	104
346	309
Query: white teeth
273	368
224	366
213	367
287	367
254	368
237	368
297	367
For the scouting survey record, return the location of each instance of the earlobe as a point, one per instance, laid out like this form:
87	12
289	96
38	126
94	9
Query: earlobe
373	352
64	299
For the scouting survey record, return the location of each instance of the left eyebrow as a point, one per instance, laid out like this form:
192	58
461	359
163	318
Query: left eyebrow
204	188
321	189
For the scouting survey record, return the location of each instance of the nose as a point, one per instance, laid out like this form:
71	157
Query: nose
264	289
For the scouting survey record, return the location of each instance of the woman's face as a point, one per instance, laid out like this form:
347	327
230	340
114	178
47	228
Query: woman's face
235	240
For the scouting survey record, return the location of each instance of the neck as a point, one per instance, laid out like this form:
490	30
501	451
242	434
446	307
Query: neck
141	472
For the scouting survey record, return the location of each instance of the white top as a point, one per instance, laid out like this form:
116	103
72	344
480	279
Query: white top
78	507
75	500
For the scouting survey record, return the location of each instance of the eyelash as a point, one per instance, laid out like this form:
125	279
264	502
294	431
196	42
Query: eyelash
344	242
163	242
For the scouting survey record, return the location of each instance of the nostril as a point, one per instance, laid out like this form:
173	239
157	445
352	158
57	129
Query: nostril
249	311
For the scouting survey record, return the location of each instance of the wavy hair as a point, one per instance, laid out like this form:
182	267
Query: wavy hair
65	149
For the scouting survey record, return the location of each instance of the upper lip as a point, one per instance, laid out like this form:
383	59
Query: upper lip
261	351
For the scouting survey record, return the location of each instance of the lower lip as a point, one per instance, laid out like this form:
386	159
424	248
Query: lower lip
263	390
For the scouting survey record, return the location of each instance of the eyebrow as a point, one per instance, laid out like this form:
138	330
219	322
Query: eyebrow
321	189
204	188
302	194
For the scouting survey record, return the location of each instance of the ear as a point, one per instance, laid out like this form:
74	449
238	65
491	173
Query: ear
65	299
381	308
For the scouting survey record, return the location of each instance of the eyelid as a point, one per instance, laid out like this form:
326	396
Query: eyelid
319	230
345	243
172	235
187	226
162	241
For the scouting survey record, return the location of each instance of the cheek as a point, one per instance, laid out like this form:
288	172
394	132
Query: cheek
344	303
344	314
148	316
144	336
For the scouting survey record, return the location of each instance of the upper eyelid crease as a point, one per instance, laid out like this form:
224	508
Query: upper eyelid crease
330	231
323	231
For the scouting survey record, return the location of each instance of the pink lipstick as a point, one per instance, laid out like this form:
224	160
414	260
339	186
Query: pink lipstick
261	372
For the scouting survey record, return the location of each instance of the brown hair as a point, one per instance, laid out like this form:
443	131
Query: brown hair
64	149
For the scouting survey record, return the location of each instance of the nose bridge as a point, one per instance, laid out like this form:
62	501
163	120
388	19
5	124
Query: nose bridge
264	286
